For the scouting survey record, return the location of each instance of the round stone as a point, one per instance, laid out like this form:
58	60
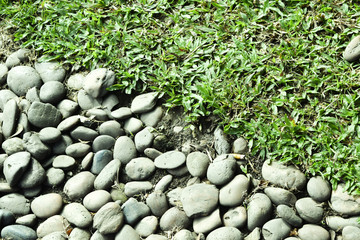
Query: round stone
313	232
121	113
146	226
275	229
185	234
280	196
152	118
133	125
352	50
16	203
77	150
134	211
21	78
351	233
288	214
319	189
207	223
343	202
100	160
108	175
82	133
127	232
170	160
235	217
79	185
14	167
259	210
77	214
6	218
140	168
174	218
309	210
13	145
197	164
109	218
50	71
18	232
124	149
137	187
240	146
103	142
233	193
52	92
54	177
144	139
144	102
46	205
111	128
157	203
64	162
225	233
49	135
96	199
222	170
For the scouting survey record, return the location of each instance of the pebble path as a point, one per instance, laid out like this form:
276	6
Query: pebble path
67	145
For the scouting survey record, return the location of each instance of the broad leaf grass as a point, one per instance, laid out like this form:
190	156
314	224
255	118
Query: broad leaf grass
272	71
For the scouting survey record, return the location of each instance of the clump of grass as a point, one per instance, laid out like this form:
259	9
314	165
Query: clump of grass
272	71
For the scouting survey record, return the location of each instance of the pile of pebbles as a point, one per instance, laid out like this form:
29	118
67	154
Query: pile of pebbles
78	163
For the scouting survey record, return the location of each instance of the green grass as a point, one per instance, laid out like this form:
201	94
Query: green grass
272	71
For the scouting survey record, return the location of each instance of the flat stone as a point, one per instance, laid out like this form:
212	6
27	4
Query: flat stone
18	232
350	233
34	175
79	185
134	211
207	223
199	199
67	107
68	123
82	133
235	217
152	118
35	146
144	139
222	233
86	101
44	115
147	226
144	102
52	224
222	170
5	96
93	201
309	210
152	153
338	223
288	214
77	215
50	71
140	168
54	177
285	176
276	229
234	193
96	82
13	145
10	117
319	189
77	150
221	144
100	160
197	164
6	218
16	203
64	162
27	220
21	78
313	232
108	175
76	81
121	113
174	218
280	196
352	50
170	160
127	232
137	187
164	183
259	210
133	125
157	203
14	167
52	92
111	128
344	203
124	149
49	135
47	205
87	161
103	142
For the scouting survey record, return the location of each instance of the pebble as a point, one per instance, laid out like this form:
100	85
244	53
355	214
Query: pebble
134	211
21	78
235	217
54	177
68	123
3	73
133	125
87	161
259	210
108	175
60	146
5	96
144	102
170	160
82	133
27	220
285	176
140	168
77	150
344	203
157	203
110	101
77	215
174	218
47	205
78	233
124	149
156	237
76	81
13	145
179	171
144	139
280	196
49	135
184	234
6	218
64	162
234	193
350	233
93	201
14	167
221	144
52	92
35	146
18	232
97	114
111	128
199	199
34	176
197	164
164	183
174	196
225	233
309	210
207	223
152	118
50	71
52	224
313	232
240	146
98	236
96	82
127	232
31	192
288	214
254	235
137	187
10	116
59	235
146	226
319	189
121	113
352	50
43	115
276	229
32	95
337	223
79	185
100	160
67	107
86	101
222	170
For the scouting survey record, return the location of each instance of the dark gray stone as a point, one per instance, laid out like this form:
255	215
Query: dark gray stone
100	160
60	146
6	218
52	92
44	115
18	232
34	176
10	118
82	133
288	214
35	146
134	211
